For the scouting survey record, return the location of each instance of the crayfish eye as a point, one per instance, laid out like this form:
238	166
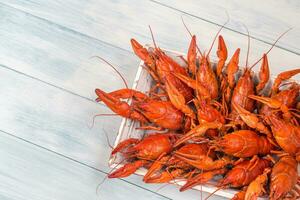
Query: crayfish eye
229	166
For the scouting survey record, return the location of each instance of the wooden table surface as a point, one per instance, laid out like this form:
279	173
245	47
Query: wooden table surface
47	82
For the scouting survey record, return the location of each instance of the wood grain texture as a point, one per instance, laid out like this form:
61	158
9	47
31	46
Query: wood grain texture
48	79
59	121
59	57
29	172
117	21
265	19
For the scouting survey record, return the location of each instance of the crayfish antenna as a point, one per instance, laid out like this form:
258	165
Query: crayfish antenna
114	68
191	35
107	139
106	176
219	188
280	36
152	37
248	49
162	187
98	115
228	18
215	38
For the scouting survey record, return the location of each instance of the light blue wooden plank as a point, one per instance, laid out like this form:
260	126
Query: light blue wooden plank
62	58
58	121
29	172
117	21
265	19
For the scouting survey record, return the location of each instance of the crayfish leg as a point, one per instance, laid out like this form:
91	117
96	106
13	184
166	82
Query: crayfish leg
150	128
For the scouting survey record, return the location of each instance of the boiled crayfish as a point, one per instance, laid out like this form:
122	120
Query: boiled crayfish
213	122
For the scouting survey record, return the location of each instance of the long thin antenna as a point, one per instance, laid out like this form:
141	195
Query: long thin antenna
106	176
217	36
152	37
125	82
98	115
213	193
190	35
248	50
272	46
107	139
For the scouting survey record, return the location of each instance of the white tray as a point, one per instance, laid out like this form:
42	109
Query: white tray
143	82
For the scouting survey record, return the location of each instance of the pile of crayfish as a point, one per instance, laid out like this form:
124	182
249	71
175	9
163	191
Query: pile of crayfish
212	121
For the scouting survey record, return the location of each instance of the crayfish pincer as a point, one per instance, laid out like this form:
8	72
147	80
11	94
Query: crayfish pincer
144	109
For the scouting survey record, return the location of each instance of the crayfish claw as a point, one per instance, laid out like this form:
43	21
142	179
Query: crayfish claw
124	144
127	169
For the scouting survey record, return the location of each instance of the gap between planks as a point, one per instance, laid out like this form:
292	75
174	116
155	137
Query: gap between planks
225	27
67	29
64	28
52	85
76	161
160	4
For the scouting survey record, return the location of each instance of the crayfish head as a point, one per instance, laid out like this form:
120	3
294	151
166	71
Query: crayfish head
233	178
229	144
153	146
193	149
162	113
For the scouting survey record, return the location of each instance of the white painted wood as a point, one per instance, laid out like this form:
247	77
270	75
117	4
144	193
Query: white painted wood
117	21
62	58
265	19
59	121
29	172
